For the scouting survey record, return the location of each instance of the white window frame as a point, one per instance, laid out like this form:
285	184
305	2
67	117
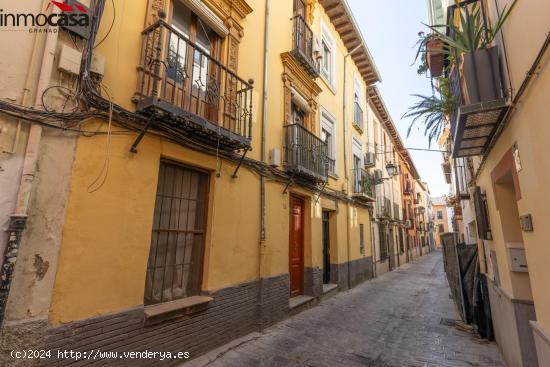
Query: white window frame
328	122
357	149
328	39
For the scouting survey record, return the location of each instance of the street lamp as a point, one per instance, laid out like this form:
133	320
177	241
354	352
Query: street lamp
392	169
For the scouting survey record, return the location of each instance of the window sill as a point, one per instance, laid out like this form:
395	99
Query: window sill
329	85
155	314
358	128
333	176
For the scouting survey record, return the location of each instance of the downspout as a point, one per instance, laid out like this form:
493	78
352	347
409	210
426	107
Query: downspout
261	250
346	174
18	220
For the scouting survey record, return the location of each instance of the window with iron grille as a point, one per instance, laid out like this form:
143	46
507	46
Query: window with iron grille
174	269
362	238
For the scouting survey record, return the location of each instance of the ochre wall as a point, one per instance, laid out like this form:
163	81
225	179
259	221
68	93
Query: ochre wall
528	128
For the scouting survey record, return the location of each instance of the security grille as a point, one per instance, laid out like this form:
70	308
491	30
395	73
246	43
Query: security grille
174	268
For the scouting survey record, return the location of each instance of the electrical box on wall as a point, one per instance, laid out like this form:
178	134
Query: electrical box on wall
518	261
98	65
526	223
275	157
69	60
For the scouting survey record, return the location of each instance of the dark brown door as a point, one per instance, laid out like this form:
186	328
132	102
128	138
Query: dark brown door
296	248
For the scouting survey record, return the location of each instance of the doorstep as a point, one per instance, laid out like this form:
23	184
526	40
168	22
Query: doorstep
329	287
298	301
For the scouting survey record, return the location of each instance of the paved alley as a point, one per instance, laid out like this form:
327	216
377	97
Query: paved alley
392	321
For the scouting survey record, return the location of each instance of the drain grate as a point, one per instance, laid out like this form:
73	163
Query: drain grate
447	322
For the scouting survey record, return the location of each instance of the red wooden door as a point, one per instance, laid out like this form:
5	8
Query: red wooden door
296	246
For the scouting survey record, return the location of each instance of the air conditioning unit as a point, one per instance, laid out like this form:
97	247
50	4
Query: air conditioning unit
370	159
378	175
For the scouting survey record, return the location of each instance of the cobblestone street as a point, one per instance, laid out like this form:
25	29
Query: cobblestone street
392	321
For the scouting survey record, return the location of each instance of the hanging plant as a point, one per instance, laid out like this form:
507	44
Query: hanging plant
433	111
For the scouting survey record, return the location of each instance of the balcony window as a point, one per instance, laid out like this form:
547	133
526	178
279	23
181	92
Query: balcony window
305	153
305	47
182	77
327	135
440	215
327	56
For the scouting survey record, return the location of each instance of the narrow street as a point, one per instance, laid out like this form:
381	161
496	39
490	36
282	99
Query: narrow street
392	321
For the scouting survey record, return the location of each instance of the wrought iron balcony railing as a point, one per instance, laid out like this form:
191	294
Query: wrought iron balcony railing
386	208
305	153
358	115
184	86
363	186
303	46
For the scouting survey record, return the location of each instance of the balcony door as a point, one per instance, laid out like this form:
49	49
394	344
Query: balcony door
193	80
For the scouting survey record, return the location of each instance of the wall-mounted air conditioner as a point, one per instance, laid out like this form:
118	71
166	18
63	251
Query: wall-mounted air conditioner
370	160
378	175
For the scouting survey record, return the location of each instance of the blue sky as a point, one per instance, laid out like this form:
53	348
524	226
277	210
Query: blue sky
391	29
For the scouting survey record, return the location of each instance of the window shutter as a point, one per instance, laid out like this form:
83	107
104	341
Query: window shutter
481	215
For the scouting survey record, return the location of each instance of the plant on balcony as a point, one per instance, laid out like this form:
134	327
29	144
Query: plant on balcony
431	52
474	32
472	42
433	110
367	186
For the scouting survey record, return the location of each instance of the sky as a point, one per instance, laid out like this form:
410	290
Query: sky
390	29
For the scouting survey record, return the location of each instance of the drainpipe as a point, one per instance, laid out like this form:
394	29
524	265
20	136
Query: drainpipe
346	174
261	250
18	220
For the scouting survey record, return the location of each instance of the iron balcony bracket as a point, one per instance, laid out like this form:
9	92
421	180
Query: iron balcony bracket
142	133
290	181
321	192
240	163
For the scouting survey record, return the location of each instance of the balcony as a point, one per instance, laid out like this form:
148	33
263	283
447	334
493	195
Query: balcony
407	187
363	187
385	209
305	153
181	85
482	103
302	46
396	212
358	116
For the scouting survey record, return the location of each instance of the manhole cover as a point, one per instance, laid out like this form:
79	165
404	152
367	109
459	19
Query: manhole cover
447	322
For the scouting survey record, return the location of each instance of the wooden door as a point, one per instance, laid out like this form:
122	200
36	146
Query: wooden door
296	246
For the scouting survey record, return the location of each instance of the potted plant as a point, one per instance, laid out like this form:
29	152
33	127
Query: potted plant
472	41
431	54
435	56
